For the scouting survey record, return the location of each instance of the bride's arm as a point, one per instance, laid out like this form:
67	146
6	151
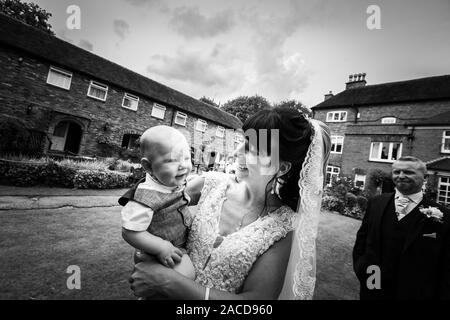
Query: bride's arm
194	189
264	282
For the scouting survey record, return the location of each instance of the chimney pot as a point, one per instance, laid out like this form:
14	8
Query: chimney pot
356	80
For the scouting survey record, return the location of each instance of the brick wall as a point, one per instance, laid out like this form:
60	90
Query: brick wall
425	143
24	82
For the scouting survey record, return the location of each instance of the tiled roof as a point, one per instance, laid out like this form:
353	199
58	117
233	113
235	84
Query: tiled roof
431	88
38	43
442	119
442	164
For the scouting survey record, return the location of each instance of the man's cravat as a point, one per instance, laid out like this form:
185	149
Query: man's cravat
401	205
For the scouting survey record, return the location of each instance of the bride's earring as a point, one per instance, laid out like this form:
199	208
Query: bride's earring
274	185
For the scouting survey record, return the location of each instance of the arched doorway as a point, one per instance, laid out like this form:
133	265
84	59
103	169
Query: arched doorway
67	137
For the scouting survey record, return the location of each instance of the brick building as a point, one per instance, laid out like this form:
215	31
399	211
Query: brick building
77	103
373	125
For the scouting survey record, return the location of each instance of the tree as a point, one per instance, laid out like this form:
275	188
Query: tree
295	105
28	13
209	101
243	107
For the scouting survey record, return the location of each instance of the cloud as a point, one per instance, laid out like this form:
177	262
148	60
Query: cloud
86	45
150	3
190	23
203	73
278	74
121	28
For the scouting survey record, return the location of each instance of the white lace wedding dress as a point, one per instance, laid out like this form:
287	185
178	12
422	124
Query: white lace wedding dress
226	266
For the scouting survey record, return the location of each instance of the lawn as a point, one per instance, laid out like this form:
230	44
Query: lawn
36	247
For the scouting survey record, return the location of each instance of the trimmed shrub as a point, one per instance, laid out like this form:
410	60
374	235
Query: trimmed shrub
333	204
51	173
362	202
350	200
90	179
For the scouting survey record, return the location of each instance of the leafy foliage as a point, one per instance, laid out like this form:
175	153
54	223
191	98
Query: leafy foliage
295	105
28	13
63	174
344	198
209	101
243	107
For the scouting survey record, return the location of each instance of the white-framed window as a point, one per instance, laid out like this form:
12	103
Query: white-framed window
385	151
337	144
97	91
130	102
158	111
181	118
201	125
130	141
332	174
445	142
360	181
337	116
389	120
59	78
220	132
444	190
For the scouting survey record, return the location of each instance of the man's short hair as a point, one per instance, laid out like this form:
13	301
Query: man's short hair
422	165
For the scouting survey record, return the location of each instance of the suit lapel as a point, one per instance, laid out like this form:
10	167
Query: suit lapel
419	223
380	208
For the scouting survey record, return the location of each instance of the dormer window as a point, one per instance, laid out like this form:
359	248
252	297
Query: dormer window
389	120
337	116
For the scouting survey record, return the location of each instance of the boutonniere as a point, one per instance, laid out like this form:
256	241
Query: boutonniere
432	213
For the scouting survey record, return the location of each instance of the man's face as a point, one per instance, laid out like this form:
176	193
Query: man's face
407	177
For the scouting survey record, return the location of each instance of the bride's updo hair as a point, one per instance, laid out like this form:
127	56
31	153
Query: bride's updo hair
294	139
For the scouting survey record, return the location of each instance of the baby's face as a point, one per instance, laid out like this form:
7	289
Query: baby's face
171	163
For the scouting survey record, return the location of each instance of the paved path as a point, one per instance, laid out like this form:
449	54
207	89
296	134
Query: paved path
335	277
84	229
14	198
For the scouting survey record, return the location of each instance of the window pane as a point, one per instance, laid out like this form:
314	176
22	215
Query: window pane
343	116
336	116
375	150
339	148
447	144
158	112
395	151
385	151
59	79
97	93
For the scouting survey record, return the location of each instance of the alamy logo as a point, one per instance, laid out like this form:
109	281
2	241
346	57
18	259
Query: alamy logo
73	22
74	280
374	20
374	281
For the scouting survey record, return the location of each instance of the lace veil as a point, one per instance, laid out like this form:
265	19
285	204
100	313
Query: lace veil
300	276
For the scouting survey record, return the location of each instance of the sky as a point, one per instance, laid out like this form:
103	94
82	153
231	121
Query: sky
278	49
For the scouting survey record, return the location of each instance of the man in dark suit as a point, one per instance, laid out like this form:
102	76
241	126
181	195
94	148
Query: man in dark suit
408	251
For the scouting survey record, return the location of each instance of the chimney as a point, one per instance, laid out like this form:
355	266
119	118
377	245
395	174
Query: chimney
356	81
329	95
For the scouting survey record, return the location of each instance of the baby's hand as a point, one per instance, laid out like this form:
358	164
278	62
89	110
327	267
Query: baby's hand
169	255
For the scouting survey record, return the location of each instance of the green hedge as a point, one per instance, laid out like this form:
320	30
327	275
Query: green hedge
23	174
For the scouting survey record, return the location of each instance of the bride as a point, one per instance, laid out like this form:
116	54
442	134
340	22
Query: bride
253	237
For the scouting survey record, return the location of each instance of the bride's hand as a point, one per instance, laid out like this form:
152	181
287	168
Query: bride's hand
149	279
